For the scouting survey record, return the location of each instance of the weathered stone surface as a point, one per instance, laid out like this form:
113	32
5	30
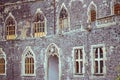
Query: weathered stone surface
78	12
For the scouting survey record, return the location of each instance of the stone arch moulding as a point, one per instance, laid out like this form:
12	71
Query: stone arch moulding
27	49
89	8
39	11
52	50
10	15
62	6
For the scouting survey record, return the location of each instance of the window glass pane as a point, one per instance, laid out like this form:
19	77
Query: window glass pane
26	67
101	52
81	67
38	27
7	28
93	15
77	67
96	53
65	22
101	66
43	28
2	65
96	66
32	60
60	24
29	64
117	9
81	54
32	68
26	60
76	54
34	27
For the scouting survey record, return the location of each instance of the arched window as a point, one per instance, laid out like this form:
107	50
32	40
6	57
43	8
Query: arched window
63	20
29	63
92	15
10	28
39	25
2	65
2	62
92	12
117	9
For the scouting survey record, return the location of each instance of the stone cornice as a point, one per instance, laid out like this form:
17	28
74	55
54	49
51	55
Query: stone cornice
19	2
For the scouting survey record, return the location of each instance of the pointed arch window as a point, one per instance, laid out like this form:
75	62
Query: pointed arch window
2	65
117	9
63	20
2	62
29	63
39	25
92	12
10	28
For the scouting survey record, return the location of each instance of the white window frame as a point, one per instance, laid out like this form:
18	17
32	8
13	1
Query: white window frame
74	73
28	48
3	55
93	60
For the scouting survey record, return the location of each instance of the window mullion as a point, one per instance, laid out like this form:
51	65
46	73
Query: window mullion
42	26
39	26
78	54
62	23
98	60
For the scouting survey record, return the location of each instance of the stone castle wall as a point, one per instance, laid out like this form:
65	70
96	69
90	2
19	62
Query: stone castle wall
76	36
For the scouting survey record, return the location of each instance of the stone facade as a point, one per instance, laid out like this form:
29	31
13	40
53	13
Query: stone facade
102	31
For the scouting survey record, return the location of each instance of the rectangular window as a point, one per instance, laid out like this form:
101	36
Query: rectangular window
78	61
98	61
